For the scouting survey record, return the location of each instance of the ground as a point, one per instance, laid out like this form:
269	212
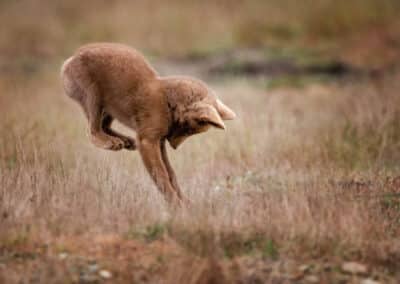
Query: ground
301	183
303	187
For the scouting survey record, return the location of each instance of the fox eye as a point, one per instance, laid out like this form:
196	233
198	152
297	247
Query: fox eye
202	123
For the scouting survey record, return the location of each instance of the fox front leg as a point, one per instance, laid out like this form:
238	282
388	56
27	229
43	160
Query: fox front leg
150	151
171	173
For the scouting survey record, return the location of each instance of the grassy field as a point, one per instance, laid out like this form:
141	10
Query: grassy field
304	187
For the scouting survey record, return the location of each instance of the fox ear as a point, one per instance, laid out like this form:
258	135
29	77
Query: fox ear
225	112
208	114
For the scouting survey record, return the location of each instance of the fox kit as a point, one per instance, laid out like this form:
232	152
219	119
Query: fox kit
113	81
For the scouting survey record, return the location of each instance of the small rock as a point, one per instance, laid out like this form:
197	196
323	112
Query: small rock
105	274
369	281
304	268
63	255
311	279
217	188
354	268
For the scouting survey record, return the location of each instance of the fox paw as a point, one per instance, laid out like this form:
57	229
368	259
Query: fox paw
114	144
108	142
129	143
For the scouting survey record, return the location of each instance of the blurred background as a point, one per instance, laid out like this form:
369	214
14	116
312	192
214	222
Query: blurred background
325	36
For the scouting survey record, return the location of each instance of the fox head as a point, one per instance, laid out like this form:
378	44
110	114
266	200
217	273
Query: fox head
194	108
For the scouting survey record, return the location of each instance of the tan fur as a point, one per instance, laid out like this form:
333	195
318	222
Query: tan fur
113	81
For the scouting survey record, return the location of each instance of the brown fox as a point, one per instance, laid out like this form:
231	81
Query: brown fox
113	81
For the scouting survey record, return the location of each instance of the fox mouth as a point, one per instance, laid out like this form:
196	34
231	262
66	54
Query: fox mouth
176	141
178	134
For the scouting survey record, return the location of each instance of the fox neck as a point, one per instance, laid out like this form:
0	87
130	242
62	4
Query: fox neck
178	128
176	104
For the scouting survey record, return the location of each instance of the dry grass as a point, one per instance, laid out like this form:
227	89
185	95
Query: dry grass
306	175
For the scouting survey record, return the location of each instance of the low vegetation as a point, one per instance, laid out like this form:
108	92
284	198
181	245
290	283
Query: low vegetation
311	175
303	187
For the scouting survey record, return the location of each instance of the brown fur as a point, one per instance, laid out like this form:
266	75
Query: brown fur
113	81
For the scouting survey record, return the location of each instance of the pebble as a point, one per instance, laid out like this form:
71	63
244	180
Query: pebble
304	268
105	274
354	268
63	255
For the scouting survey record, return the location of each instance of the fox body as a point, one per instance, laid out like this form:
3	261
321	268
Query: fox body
113	81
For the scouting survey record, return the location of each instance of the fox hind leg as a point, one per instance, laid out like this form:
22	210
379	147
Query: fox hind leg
129	143
79	86
98	137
